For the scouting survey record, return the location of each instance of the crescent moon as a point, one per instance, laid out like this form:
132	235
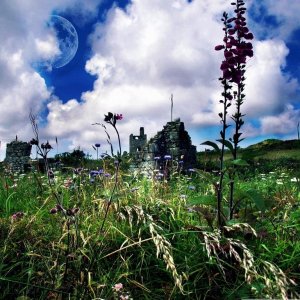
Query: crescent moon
67	38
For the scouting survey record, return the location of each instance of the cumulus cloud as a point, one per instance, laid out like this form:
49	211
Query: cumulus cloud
268	87
282	14
284	123
152	49
146	53
24	40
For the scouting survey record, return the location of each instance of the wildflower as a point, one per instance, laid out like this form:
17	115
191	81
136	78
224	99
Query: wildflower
157	158
119	117
53	210
167	157
97	145
134	189
72	211
191	170
18	215
34	142
183	196
46	146
51	174
191	187
118	286
112	118
107	175
108	118
94	173
59	207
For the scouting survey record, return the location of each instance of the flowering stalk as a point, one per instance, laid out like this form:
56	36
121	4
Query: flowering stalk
112	119
236	50
226	101
43	150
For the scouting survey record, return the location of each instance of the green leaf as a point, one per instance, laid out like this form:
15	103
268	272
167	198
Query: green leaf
240	162
203	199
211	144
227	144
257	198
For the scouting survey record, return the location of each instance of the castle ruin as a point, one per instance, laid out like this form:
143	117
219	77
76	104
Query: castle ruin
17	155
173	140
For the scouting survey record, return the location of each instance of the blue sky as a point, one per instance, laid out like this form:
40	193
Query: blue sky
132	56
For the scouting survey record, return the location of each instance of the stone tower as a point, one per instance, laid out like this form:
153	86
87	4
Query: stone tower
175	141
17	155
137	143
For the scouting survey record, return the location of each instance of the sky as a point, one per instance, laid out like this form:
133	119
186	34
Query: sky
132	56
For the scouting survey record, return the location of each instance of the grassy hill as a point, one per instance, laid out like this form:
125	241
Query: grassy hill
273	149
271	153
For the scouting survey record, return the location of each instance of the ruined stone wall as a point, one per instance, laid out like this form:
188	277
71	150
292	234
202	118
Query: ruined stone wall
17	155
137	142
173	140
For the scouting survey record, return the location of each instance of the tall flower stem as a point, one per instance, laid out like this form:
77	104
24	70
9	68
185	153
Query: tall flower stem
239	35
226	102
112	119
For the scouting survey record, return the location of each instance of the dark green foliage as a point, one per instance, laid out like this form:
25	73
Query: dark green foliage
76	158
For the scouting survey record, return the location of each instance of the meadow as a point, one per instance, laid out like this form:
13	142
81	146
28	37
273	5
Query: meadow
160	238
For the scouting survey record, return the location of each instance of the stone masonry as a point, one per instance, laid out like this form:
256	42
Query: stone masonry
173	140
137	143
17	155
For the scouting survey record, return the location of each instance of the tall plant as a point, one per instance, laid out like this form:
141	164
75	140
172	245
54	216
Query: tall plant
236	48
239	48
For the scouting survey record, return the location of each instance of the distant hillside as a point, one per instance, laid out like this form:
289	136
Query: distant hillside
271	152
273	149
273	144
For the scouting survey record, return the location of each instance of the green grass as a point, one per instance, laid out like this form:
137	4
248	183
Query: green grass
159	240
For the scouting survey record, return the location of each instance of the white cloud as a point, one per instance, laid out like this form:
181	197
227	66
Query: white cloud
25	40
153	49
268	87
285	14
47	48
144	54
284	123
